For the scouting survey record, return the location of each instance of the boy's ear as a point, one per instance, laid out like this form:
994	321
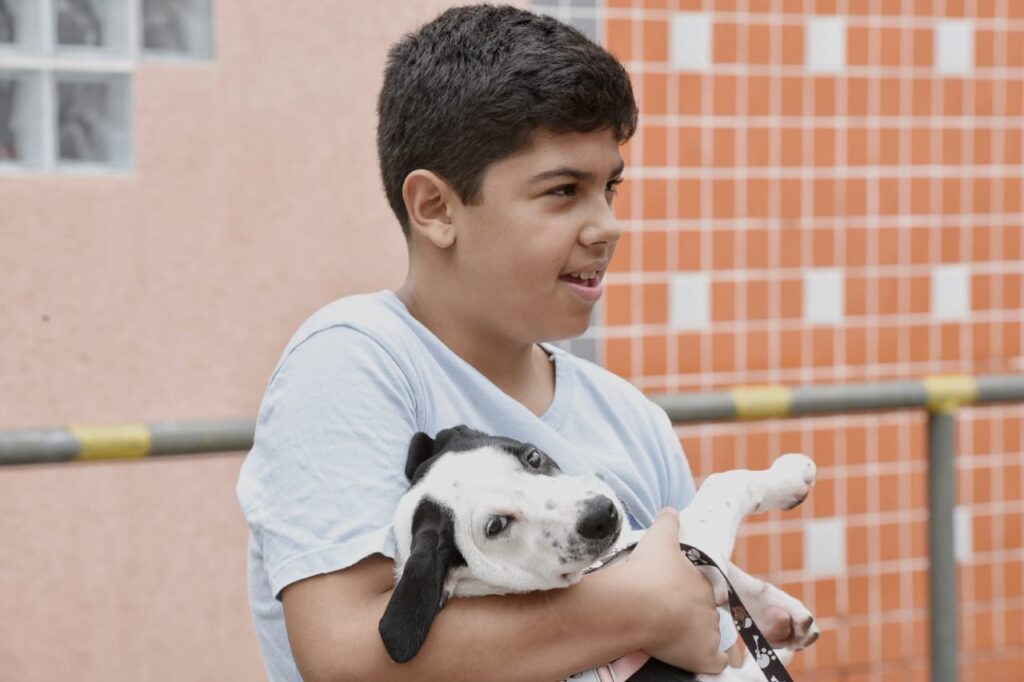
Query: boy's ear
424	586
427	200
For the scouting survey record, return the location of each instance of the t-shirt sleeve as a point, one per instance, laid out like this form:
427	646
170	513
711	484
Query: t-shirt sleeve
677	483
320	486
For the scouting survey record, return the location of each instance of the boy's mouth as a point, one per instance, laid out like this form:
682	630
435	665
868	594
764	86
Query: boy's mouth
585	284
589	280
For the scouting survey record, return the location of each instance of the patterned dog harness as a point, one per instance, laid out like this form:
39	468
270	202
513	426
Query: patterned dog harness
623	668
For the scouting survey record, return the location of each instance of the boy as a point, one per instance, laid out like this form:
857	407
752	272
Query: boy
498	137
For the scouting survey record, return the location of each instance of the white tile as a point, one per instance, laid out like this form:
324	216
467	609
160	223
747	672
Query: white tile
825	546
690	301
963	540
951	292
823	296
691	40
825	45
954	46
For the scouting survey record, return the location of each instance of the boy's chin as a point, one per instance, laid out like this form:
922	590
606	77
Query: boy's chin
569	332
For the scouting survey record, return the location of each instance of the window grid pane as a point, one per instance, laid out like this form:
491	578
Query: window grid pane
96	27
20	116
92	119
177	27
19	22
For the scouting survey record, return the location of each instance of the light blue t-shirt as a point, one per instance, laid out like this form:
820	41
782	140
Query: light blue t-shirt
320	486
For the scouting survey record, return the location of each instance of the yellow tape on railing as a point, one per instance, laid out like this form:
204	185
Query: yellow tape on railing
762	401
120	441
947	393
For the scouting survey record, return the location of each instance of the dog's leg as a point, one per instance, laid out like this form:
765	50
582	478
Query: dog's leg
711	520
714	515
783	619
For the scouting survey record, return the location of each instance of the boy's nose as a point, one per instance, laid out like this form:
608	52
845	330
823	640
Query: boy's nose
603	227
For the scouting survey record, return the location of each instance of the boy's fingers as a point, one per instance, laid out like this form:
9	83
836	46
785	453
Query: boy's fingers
721	662
665	526
715	664
667	521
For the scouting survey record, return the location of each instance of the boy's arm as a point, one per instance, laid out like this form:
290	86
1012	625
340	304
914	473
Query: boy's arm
656	601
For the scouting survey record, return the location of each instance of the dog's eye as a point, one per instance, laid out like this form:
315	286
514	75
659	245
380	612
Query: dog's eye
534	459
495	525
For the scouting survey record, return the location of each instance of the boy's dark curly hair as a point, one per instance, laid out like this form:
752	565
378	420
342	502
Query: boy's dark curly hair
471	87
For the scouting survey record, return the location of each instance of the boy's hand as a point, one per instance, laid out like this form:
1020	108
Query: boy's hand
683	620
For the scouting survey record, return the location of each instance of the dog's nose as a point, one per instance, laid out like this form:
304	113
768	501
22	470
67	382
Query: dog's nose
598	519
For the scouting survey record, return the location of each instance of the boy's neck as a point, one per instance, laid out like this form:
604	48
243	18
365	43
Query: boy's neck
521	369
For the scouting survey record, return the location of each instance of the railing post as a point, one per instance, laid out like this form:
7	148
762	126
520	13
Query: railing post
942	554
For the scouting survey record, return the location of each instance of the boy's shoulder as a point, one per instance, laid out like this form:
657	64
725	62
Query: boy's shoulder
376	318
374	314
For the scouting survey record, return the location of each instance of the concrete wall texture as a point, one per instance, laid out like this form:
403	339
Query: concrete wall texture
821	191
168	292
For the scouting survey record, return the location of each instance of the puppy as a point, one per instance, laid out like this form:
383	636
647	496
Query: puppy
493	515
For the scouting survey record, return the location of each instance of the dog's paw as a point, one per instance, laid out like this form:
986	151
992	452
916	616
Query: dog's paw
793	629
792	477
783	618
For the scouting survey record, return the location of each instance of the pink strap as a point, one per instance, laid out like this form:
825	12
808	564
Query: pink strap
621	669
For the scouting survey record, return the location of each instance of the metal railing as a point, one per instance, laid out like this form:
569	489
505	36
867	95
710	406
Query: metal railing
940	396
125	441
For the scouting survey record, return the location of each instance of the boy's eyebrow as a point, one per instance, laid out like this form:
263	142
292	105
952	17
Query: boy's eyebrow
569	171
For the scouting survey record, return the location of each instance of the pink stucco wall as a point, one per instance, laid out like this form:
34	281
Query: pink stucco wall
168	293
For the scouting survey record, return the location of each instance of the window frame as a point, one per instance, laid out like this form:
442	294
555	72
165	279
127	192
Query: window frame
47	63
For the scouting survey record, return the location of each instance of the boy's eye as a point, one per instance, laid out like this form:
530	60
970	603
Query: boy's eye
612	188
571	190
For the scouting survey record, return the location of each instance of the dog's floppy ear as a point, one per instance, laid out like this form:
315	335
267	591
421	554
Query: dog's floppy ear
421	448
420	593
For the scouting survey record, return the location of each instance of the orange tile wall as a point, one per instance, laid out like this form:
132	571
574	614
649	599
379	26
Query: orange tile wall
756	169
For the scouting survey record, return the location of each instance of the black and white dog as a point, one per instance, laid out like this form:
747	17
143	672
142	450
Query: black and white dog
493	515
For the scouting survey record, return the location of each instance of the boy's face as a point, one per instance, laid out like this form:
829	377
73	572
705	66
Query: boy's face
530	255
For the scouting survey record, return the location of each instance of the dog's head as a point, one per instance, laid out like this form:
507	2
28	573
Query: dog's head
492	515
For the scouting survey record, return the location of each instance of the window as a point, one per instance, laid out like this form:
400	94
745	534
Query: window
177	28
66	70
